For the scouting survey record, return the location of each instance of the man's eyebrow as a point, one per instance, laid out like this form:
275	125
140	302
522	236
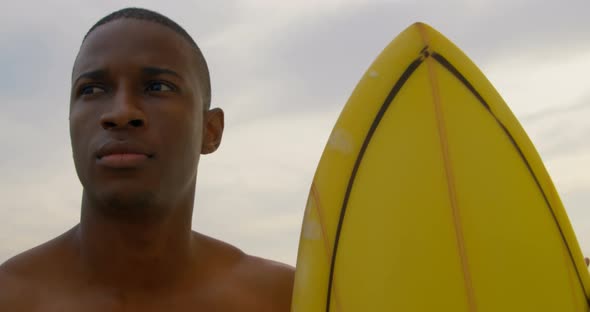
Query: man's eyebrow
154	71
94	74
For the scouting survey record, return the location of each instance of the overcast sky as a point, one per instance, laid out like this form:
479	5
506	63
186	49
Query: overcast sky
282	70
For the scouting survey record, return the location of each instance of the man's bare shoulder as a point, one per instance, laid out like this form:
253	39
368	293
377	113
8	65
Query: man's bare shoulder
270	279
46	260
23	276
16	293
20	278
262	284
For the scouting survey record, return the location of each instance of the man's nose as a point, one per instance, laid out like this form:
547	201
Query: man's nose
125	111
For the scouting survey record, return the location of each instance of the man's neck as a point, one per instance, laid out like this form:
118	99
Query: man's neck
136	256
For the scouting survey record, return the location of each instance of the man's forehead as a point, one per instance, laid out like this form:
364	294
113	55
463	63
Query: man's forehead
134	41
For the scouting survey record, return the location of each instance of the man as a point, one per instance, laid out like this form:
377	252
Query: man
139	120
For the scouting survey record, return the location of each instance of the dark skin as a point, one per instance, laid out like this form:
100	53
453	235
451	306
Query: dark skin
138	126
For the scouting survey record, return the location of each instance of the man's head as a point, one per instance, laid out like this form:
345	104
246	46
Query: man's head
139	113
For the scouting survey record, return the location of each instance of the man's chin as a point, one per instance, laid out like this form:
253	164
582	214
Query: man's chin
129	206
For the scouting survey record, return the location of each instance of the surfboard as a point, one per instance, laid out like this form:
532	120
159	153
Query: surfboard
429	196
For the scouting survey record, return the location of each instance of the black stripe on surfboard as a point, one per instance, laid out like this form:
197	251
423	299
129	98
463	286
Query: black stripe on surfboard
394	91
455	72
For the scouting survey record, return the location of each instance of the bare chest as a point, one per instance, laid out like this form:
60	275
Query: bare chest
210	300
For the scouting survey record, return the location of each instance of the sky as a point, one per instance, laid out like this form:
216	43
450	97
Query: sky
282	71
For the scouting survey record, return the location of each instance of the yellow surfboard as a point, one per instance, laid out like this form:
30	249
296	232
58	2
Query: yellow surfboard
429	196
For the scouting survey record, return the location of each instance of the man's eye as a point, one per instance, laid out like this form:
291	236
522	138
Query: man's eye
91	90
159	86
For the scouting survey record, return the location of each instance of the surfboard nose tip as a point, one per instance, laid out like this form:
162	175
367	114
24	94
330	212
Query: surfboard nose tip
420	24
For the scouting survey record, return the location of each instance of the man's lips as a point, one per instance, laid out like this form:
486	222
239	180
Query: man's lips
122	154
120	161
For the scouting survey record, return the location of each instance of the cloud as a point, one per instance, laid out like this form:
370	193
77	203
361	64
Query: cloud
569	171
534	80
39	202
562	131
318	58
21	62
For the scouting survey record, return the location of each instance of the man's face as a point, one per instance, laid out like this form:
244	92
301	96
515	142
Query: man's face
136	115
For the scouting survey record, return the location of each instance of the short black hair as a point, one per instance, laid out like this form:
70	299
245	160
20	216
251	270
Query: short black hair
151	16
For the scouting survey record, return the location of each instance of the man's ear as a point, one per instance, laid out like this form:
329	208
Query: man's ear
213	122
